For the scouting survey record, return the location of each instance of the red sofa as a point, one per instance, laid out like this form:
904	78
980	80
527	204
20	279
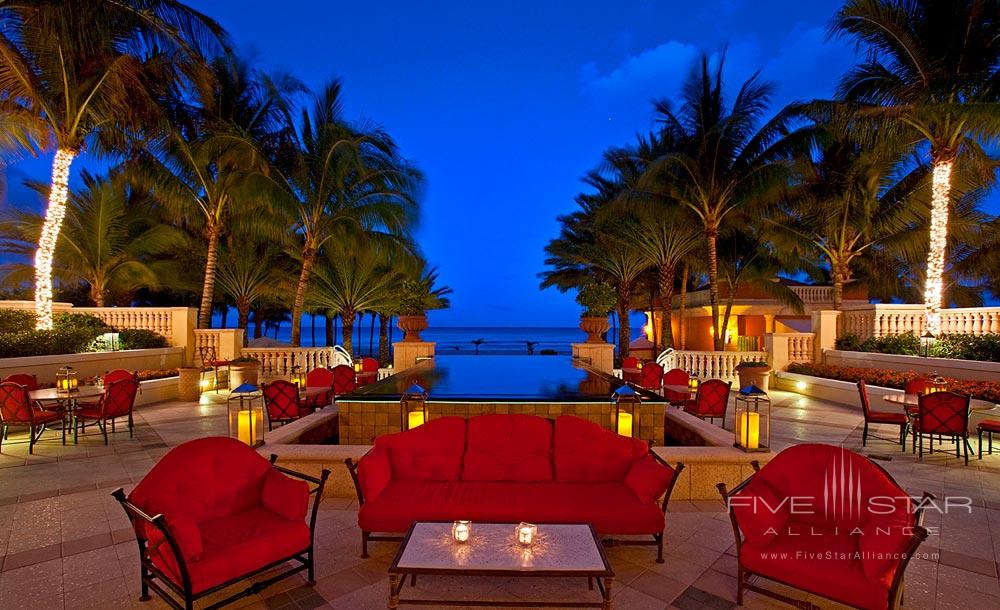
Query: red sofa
213	512
511	468
828	521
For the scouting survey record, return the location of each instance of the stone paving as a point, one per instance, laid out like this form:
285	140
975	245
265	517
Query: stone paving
65	543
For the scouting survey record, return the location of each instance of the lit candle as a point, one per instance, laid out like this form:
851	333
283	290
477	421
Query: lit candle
461	530
415	418
748	430
526	533
246	426
693	383
624	423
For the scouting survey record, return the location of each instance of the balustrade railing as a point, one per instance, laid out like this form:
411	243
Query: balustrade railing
276	361
882	320
707	365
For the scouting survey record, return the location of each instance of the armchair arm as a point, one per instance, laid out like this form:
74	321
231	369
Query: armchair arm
371	473
673	481
320	483
138	518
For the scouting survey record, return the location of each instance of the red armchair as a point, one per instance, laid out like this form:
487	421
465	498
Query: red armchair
212	513
880	417
320	378
118	375
651	376
28	381
827	521
283	404
369	366
117	401
18	410
344	380
711	401
917	386
675	377
945	414
630	363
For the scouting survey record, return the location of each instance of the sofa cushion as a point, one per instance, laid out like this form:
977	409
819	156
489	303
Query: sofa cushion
374	472
203	479
239	544
882	541
612	507
586	452
761	513
508	448
649	479
286	496
185	533
431	452
823	562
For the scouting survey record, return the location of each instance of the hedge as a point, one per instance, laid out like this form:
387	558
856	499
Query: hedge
983	348
983	390
72	333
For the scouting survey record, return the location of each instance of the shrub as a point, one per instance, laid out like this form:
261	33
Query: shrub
14	320
904	345
848	343
597	299
985	348
140	339
983	390
70	334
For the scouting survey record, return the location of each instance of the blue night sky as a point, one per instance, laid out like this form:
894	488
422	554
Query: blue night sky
505	105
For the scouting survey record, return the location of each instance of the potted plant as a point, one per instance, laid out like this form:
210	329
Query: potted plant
753	372
412	311
243	370
597	300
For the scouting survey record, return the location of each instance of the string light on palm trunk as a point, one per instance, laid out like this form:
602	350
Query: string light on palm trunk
934	283
54	216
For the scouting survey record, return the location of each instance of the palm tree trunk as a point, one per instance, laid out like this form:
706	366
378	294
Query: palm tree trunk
347	318
683	306
371	335
667	273
940	202
312	328
624	328
838	284
96	295
258	323
243	318
54	214
712	233
308	260
328	330
383	339
208	286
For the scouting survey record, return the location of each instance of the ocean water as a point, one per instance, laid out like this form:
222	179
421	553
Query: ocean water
456	340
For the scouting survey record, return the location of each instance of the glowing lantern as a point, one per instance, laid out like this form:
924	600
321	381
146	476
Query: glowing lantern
66	380
461	531
298	377
752	429
526	533
245	407
627	404
413	407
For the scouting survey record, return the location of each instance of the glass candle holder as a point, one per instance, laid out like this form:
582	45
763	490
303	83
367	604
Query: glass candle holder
461	531
526	533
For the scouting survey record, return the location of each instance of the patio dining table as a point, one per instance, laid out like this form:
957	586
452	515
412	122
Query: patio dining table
910	402
681	389
67	400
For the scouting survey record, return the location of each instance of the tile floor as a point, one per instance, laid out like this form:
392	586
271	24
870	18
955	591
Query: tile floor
65	543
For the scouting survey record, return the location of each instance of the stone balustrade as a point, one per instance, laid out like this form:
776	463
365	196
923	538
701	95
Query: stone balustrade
882	320
707	365
223	343
279	361
783	349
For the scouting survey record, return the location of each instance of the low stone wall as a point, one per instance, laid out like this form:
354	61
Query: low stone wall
716	461
156	390
949	367
91	364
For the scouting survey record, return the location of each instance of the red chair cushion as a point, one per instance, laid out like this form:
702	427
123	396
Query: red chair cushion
881	417
46	417
611	507
185	533
374	472
241	543
508	448
761	513
285	496
882	541
649	479
990	425
804	561
431	452
586	452
204	479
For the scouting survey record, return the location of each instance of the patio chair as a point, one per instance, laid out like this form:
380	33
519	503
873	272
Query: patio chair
651	376
17	410
675	377
213	513
880	417
344	380
630	363
119	374
320	378
711	401
28	381
368	365
945	414
989	426
283	404
117	401
209	359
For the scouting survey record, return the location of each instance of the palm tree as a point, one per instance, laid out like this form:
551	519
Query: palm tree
89	68
113	240
248	274
933	68
477	343
719	158
343	179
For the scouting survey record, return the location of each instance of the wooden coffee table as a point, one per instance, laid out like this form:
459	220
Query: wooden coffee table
560	551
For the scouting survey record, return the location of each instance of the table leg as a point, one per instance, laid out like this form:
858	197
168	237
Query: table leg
393	590
72	414
606	602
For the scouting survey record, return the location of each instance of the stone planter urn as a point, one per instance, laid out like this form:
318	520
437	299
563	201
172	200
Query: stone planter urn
594	327
188	388
411	327
754	375
244	372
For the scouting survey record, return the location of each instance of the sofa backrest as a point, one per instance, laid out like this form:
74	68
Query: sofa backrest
431	452
833	486
508	448
203	479
585	452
